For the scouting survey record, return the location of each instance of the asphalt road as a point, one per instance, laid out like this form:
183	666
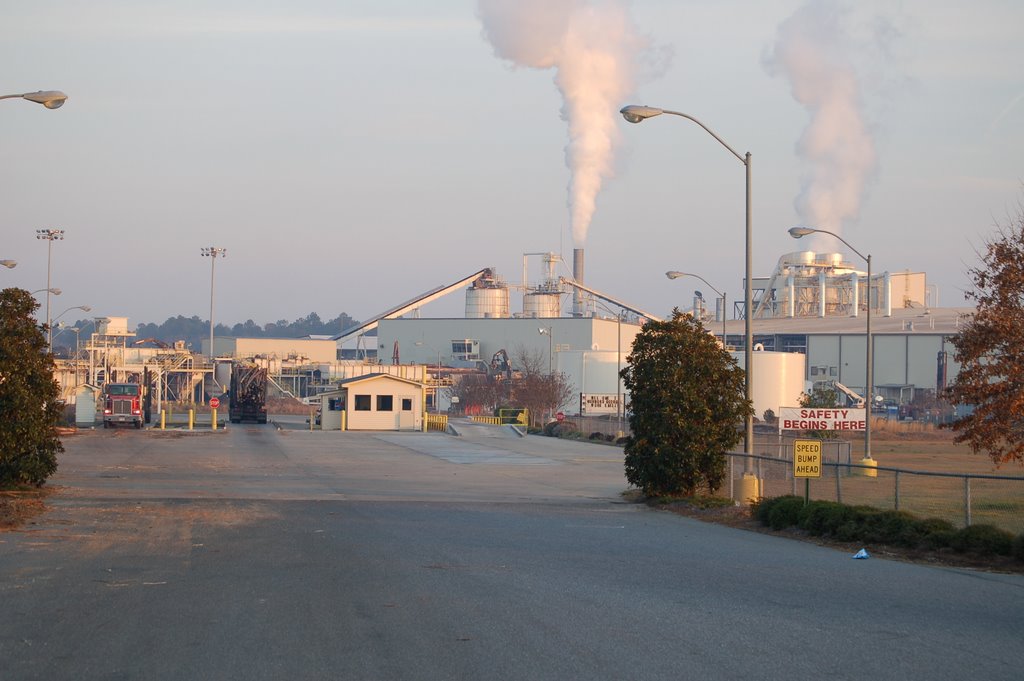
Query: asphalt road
265	554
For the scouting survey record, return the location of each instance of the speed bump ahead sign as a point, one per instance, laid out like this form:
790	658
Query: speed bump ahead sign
807	458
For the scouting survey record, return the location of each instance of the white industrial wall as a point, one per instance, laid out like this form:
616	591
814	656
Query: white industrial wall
583	349
898	359
317	350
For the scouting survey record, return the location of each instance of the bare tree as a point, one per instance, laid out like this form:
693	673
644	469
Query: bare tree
535	389
479	393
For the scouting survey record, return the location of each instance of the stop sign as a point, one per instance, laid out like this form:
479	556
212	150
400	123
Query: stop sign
214	402
560	416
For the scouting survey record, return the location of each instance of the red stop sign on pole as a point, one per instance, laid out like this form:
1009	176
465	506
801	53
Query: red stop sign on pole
214	402
560	416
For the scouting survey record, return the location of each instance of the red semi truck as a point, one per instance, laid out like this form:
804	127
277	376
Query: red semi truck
122	403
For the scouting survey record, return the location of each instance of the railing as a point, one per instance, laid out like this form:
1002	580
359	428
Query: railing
959	498
435	422
489	420
505	417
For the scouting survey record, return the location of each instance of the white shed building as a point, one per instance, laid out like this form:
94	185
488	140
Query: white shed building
373	402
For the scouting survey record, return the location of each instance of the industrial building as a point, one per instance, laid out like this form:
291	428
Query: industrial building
809	326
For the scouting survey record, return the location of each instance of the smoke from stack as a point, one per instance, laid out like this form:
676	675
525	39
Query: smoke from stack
594	49
813	51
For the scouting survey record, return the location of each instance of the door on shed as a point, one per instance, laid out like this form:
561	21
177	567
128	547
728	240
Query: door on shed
406	405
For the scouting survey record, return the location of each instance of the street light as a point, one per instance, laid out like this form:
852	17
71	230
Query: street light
212	252
546	331
636	114
83	308
54	291
796	233
9	264
51	99
675	275
49	236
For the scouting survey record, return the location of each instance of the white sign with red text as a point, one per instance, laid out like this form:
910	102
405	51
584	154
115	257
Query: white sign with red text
817	418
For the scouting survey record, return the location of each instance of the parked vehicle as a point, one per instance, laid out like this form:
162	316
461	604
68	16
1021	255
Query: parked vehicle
247	393
122	404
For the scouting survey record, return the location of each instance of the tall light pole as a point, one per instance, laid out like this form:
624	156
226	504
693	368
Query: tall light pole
796	233
212	252
49	236
51	99
675	275
636	114
546	331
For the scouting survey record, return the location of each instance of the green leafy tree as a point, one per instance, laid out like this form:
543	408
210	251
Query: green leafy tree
687	401
29	395
990	350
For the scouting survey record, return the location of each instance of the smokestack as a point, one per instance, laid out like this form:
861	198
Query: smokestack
577	275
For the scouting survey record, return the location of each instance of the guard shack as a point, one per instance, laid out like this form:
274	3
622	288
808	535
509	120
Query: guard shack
85	405
373	402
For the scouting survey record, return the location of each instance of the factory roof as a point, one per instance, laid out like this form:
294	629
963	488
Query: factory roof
944	320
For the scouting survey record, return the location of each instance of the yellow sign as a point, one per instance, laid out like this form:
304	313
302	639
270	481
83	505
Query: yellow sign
807	458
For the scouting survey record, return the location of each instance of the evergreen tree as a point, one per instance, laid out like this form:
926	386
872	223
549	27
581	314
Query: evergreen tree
990	350
29	395
687	403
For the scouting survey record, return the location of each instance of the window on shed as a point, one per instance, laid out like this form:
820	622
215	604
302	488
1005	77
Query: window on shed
385	403
406	404
362	403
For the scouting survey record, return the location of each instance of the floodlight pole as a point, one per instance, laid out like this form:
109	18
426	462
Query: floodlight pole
49	236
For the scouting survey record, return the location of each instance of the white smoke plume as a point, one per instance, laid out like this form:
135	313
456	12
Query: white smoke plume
594	48
814	52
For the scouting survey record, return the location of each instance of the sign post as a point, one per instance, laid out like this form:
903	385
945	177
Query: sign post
807	463
214	403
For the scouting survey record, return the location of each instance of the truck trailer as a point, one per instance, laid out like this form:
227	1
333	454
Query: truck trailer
247	393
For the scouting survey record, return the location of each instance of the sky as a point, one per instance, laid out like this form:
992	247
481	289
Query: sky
351	155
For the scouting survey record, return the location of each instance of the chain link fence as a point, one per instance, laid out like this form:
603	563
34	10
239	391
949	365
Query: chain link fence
960	498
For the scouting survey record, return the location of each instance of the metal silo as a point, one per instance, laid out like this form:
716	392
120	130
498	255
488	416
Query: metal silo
487	298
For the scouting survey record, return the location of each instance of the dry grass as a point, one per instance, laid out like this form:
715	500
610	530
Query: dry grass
19	506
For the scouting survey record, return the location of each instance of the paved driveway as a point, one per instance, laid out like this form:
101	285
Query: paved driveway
263	554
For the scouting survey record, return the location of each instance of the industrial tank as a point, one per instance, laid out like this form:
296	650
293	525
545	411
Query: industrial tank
542	305
487	302
780	379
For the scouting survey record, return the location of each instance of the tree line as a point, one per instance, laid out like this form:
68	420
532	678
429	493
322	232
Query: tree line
193	329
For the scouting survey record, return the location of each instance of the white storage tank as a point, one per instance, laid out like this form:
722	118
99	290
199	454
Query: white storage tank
778	379
487	302
542	305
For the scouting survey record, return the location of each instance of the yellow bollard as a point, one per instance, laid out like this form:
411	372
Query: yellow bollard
191	418
750	489
163	420
871	472
344	420
213	419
